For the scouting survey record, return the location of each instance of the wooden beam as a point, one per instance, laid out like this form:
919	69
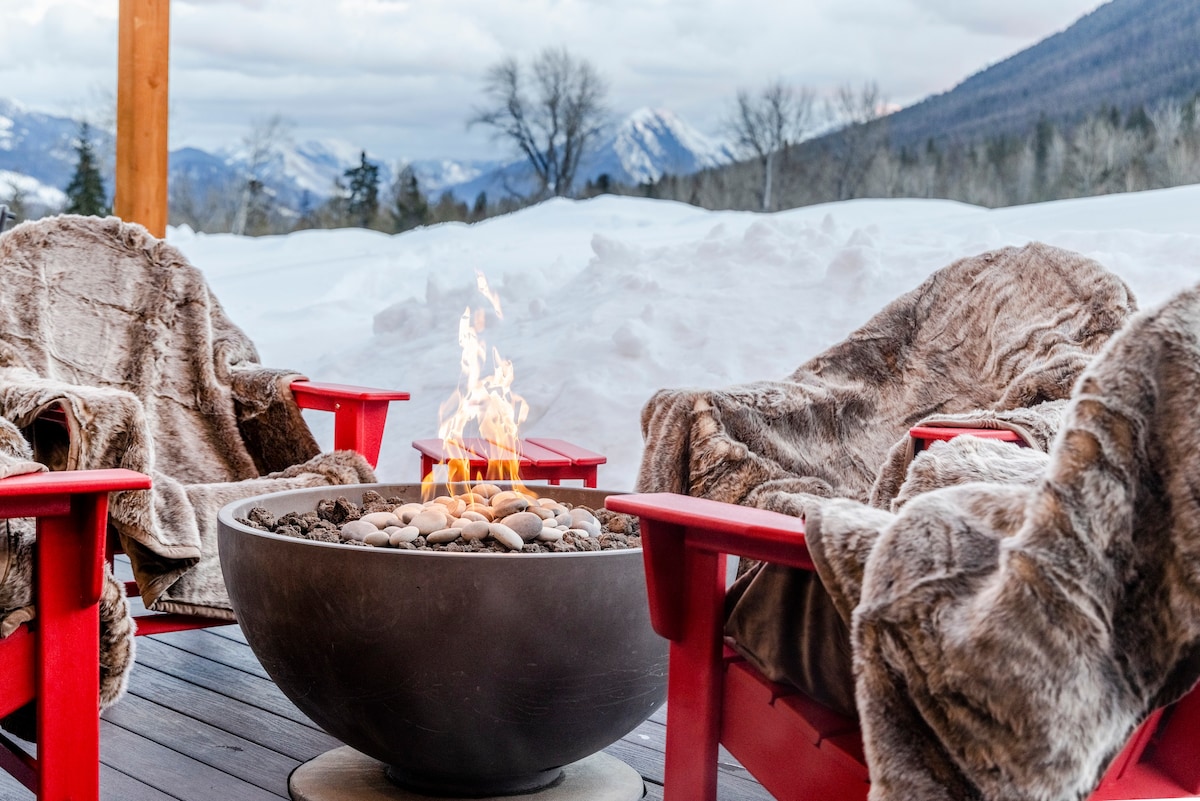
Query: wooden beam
143	57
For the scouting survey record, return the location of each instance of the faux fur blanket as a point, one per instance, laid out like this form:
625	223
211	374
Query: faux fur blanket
1003	330
114	327
1008	638
16	592
999	331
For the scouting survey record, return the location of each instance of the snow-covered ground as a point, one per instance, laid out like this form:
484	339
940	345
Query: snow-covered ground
607	300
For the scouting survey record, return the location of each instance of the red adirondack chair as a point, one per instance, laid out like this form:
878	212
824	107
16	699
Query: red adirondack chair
359	415
123	263
795	747
53	661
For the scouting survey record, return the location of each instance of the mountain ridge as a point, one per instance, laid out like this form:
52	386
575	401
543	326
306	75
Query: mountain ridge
37	154
1124	53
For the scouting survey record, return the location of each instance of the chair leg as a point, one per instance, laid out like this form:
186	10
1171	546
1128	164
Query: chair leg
68	673
695	683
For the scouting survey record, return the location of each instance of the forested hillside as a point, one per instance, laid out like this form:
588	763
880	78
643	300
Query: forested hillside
1108	105
1127	53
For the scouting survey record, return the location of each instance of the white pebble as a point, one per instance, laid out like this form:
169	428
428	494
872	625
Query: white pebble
397	535
442	536
506	536
408	511
550	535
381	519
510	507
377	538
357	530
527	525
581	518
476	530
428	522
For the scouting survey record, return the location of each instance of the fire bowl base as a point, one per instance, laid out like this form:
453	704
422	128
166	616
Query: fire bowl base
345	774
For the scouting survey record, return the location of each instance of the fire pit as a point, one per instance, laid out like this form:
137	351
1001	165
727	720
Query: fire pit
466	674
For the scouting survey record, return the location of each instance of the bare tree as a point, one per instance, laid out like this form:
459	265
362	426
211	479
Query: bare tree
766	123
552	119
862	133
262	144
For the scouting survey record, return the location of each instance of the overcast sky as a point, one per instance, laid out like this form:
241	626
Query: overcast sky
400	77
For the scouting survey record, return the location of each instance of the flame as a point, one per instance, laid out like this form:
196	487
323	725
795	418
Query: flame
482	413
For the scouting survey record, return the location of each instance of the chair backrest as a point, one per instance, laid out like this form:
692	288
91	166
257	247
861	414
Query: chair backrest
100	303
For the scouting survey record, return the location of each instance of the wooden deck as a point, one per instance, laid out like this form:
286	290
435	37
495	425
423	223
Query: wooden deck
203	722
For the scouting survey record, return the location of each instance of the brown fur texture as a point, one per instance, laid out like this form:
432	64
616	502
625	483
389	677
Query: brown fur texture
101	319
17	546
1036	425
982	337
1003	330
1008	637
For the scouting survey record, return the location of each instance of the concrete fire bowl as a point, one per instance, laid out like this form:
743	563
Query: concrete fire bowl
466	673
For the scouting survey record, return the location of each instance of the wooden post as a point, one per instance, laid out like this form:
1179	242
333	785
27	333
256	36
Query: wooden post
143	57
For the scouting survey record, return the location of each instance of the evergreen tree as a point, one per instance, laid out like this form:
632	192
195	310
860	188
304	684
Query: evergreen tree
480	210
85	192
362	205
409	208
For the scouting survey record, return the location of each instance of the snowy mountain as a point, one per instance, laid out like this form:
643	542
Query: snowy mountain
37	158
643	147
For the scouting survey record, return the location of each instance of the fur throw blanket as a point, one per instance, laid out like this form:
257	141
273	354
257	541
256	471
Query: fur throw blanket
1002	330
1009	637
998	332
16	592
116	329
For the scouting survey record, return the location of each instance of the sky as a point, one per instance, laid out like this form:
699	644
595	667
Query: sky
400	78
605	301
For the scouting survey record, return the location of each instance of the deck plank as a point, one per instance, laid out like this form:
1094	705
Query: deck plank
172	772
201	721
259	726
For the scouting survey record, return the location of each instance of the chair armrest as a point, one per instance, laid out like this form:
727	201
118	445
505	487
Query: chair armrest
72	511
359	413
676	529
923	436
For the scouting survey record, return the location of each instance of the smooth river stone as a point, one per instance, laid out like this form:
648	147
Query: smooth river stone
406	512
357	530
468	515
382	519
397	535
582	518
526	524
483	511
550	535
477	530
540	511
506	537
504	496
509	507
443	536
454	505
428	522
486	490
377	538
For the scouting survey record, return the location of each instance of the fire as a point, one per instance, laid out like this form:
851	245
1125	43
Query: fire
483	413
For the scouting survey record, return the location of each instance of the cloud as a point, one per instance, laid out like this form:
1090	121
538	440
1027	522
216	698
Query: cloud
400	77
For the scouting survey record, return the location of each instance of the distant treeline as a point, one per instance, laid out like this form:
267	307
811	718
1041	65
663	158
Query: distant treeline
1109	151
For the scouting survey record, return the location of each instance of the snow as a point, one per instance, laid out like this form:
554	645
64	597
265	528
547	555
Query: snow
609	299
